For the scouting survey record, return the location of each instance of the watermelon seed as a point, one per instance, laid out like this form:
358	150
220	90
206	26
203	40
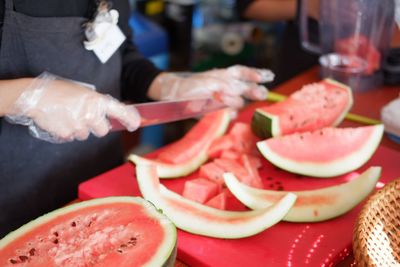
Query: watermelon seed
132	241
119	250
89	224
278	182
56	234
13	261
32	252
280	188
269	178
271	185
55	241
73	224
23	258
304	122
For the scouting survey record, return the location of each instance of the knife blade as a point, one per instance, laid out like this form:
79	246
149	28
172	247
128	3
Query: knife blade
159	112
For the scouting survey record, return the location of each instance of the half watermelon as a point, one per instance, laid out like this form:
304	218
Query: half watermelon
200	219
323	153
311	205
189	153
315	106
115	231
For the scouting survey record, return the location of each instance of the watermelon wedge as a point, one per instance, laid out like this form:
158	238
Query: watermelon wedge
114	231
199	219
313	205
188	154
315	106
323	153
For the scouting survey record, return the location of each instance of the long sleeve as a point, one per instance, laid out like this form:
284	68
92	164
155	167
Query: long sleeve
137	71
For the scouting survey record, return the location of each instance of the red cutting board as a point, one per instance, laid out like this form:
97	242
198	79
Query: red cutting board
285	244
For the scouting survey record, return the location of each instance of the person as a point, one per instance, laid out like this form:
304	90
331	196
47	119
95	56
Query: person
291	58
60	82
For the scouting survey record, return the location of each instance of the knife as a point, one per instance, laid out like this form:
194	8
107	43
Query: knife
159	112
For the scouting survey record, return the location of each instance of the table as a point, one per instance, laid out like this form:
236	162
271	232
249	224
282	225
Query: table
361	107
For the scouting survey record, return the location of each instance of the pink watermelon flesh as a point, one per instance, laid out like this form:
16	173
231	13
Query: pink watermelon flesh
252	170
219	145
230	154
112	234
201	135
243	138
313	107
332	144
200	190
218	201
212	172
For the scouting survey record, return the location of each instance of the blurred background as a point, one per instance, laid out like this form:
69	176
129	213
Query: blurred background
198	35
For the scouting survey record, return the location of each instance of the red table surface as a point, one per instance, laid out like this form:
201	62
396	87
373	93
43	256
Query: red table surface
285	244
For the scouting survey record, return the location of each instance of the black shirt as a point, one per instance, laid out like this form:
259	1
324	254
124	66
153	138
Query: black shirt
137	72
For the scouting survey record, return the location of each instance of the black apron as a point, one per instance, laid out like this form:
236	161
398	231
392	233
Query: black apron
37	176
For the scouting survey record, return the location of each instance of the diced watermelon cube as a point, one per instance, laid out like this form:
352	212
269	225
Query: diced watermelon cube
229	165
220	144
200	190
254	161
219	201
230	154
253	179
244	139
212	172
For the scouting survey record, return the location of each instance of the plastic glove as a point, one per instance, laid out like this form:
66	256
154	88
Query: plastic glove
58	110
228	85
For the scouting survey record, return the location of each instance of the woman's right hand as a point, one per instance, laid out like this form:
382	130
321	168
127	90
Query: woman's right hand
58	110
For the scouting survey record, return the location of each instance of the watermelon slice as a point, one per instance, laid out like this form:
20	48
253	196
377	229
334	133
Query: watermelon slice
203	220
313	107
323	153
190	152
115	231
313	205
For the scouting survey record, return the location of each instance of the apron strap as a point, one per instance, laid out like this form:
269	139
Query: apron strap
9	5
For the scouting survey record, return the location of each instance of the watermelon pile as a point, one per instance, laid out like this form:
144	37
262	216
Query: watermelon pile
303	138
296	135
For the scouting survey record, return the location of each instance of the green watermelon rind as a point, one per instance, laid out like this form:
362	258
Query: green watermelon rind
336	167
346	196
266	125
203	220
173	170
166	254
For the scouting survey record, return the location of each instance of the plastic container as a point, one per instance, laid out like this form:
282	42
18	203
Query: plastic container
351	32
